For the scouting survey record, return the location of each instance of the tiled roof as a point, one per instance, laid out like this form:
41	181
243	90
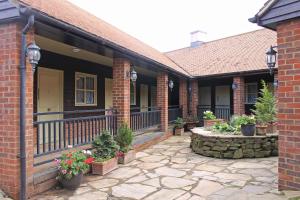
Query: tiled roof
71	14
240	53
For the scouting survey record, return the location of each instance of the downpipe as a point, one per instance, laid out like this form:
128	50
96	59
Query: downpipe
23	177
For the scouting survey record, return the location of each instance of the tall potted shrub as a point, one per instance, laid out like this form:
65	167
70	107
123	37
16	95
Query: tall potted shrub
71	168
179	126
124	139
104	153
265	110
210	119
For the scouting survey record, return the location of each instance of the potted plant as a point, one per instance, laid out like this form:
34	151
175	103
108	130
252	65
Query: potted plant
71	168
179	126
247	125
210	119
191	122
104	153
265	110
124	139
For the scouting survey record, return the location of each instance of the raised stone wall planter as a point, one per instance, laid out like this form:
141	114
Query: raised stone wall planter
209	144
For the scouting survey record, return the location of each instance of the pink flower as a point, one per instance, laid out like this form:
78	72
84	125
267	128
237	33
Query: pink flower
57	161
63	171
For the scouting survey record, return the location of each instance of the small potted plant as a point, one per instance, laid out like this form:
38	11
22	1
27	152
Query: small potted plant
191	122
179	126
265	111
71	168
247	125
124	139
104	153
210	119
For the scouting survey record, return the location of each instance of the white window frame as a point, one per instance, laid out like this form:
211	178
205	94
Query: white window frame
247	94
133	84
84	75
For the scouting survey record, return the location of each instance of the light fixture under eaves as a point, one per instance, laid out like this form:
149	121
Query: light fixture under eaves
75	50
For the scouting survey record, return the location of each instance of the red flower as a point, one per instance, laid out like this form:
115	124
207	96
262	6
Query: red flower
69	162
120	154
69	155
89	160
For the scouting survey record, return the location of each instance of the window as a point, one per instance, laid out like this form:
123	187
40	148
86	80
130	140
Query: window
85	89
251	93
132	93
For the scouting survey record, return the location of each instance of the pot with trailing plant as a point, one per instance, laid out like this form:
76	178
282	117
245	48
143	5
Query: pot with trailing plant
178	126
124	139
191	122
265	111
105	149
247	125
71	168
210	119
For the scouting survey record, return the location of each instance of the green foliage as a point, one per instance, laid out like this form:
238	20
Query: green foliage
224	127
178	123
208	115
124	138
265	106
104	147
71	164
237	121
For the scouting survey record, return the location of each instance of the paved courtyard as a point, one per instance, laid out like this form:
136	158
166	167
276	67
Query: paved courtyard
169	170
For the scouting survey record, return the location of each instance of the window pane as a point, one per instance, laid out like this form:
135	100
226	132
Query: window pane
90	97
90	83
79	96
80	82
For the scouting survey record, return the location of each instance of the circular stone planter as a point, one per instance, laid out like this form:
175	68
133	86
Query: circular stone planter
215	145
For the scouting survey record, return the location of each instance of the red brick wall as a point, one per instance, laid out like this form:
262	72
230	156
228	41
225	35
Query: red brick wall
239	96
121	89
183	94
195	97
162	99
9	111
288	40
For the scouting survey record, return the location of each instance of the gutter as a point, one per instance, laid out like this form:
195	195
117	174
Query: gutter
23	177
103	41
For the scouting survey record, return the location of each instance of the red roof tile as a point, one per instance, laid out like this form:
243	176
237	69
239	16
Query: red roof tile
240	53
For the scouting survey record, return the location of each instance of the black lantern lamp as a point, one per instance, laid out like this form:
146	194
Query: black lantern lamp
234	86
171	85
34	55
133	75
271	58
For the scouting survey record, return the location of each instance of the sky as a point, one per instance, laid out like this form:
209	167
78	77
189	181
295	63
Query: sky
166	24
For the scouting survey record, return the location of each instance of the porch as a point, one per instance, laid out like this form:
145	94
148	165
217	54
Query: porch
231	95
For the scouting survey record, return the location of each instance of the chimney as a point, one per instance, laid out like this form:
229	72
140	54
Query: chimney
195	38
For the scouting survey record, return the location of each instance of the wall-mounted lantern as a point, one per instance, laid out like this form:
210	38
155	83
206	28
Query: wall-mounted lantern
234	86
133	75
271	56
33	54
171	85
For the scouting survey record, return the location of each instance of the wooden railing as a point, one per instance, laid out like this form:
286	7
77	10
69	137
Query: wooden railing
220	111
57	131
143	118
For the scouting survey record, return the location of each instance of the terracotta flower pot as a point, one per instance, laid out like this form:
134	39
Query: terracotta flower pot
191	125
178	131
127	157
102	168
211	122
73	183
271	128
261	129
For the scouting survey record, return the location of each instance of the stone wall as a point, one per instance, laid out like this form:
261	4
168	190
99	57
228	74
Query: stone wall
234	146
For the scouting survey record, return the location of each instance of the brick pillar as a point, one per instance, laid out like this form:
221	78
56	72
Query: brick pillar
239	96
10	45
288	40
121	90
194	97
183	95
162	99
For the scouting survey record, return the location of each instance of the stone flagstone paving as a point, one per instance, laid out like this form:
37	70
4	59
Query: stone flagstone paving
169	170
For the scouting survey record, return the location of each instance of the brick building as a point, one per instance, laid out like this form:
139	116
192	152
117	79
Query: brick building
84	84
